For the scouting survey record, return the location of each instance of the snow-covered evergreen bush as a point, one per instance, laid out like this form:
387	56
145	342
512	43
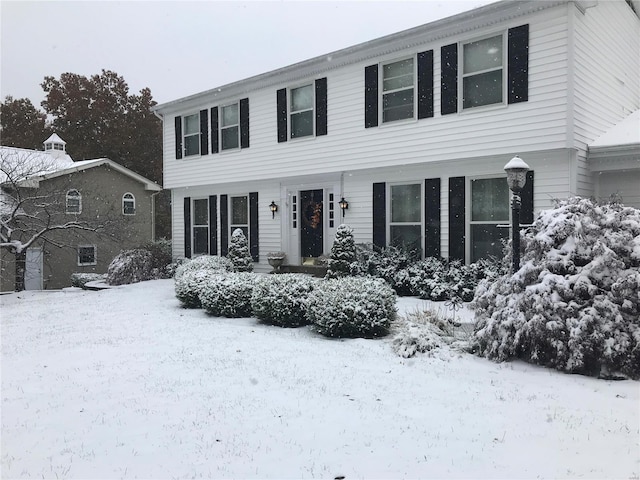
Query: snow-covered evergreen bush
282	299
190	283
229	294
239	252
130	266
574	305
211	263
386	263
342	261
81	279
352	307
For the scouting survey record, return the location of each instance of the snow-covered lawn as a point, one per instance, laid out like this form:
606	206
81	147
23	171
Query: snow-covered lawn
124	383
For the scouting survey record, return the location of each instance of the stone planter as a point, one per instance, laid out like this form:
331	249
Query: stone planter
276	260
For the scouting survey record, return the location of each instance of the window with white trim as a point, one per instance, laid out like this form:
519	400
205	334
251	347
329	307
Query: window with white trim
87	255
73	202
230	127
301	111
128	204
200	226
405	225
398	80
239	215
483	72
191	134
489	208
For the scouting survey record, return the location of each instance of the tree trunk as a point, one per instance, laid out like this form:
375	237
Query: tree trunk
21	268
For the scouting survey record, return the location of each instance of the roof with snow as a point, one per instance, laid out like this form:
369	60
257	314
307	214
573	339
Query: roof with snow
20	164
626	132
55	138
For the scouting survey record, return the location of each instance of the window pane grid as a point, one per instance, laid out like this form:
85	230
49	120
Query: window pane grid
191	137
398	91
489	208
482	79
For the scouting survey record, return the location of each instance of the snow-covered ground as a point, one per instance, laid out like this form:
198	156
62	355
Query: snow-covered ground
123	383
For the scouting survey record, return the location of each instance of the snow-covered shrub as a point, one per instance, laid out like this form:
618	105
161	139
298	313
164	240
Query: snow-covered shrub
352	307
385	263
239	252
423	331
81	279
342	261
148	262
282	299
204	262
574	305
190	283
229	294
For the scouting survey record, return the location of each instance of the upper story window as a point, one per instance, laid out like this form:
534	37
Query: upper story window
483	72
73	202
128	204
191	135
398	80
301	111
230	127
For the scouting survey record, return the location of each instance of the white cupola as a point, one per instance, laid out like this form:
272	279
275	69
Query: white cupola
55	146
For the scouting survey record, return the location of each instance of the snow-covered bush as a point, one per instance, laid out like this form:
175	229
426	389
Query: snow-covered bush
282	299
574	305
148	262
81	279
423	331
239	252
342	261
352	307
385	263
190	283
229	294
204	262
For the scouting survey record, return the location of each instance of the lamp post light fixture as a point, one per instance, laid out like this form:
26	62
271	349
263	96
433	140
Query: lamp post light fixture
274	208
344	205
516	170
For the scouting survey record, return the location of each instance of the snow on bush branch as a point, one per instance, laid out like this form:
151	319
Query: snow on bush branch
574	305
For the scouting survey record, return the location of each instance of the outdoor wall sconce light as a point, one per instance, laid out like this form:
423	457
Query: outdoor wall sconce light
516	178
344	205
274	208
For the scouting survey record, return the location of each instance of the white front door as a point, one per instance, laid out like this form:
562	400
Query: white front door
33	271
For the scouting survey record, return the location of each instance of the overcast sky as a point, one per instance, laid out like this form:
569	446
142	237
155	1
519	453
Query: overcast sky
181	48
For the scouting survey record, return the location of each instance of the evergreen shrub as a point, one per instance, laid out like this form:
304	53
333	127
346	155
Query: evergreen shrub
282	299
342	261
574	305
352	307
229	294
149	262
190	283
239	252
212	263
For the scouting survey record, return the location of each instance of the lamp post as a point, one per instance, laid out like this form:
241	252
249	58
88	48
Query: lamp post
516	170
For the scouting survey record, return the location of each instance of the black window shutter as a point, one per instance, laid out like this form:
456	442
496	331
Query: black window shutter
380	214
204	132
456	218
213	225
432	217
224	226
254	245
187	227
214	130
425	84
449	80
518	68
526	197
371	96
321	106
178	121
281	101
244	123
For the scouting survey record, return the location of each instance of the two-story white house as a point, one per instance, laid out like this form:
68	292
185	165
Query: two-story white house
412	132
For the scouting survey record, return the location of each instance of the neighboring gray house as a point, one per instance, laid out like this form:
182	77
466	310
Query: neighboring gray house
87	190
412	130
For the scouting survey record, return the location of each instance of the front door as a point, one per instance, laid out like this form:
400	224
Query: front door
312	231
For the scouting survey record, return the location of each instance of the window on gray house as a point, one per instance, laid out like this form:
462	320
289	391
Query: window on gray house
128	204
86	255
73	201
